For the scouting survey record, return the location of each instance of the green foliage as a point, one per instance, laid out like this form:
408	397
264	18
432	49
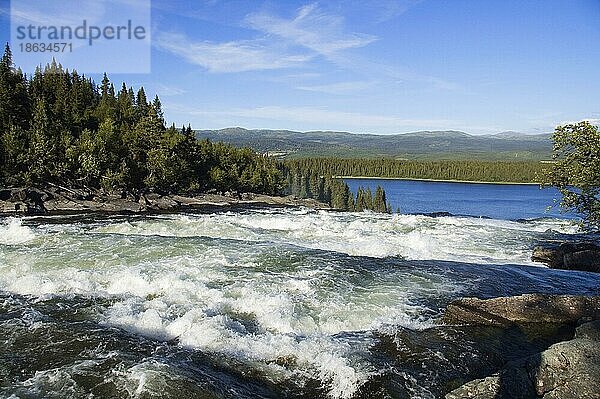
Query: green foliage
380	203
576	170
79	134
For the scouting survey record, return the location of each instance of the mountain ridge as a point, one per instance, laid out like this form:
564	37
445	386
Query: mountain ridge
425	144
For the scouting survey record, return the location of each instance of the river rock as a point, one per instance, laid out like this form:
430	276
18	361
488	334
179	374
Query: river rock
55	199
523	309
589	330
27	201
512	383
566	370
584	256
483	388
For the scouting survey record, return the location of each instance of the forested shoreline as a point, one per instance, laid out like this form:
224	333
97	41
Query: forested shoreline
304	182
475	171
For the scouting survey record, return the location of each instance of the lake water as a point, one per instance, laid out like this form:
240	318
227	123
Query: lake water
498	201
271	303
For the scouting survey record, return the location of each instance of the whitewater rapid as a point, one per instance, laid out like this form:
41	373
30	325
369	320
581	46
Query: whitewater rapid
465	239
290	294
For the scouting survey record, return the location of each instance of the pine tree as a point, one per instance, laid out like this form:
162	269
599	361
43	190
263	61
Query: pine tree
141	104
379	202
14	99
14	164
360	200
368	199
107	108
350	203
157	106
125	107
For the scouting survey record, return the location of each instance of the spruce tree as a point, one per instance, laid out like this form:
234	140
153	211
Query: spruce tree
157	106
141	104
41	150
379	202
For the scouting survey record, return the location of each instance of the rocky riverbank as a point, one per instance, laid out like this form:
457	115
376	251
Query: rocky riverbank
584	256
566	370
62	200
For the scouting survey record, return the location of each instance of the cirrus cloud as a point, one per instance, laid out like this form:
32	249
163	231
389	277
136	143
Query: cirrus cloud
233	56
311	28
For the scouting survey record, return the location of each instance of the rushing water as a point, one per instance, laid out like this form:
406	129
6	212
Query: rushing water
258	303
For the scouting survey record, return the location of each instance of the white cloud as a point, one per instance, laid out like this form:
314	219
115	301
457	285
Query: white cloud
294	42
53	14
167	91
340	87
325	34
311	28
384	10
234	56
301	76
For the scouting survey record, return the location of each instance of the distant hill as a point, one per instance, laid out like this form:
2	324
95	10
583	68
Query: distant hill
448	144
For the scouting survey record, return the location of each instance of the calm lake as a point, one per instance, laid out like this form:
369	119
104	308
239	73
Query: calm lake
498	201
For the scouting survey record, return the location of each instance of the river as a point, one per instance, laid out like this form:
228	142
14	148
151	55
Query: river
263	303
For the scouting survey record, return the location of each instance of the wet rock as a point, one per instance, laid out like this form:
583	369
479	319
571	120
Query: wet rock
582	256
523	309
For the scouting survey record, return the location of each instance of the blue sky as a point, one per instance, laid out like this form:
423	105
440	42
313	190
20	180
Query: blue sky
374	66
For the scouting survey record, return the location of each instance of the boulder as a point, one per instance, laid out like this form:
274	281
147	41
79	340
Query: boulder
19	195
5	194
523	309
22	201
584	256
512	383
566	370
483	388
586	260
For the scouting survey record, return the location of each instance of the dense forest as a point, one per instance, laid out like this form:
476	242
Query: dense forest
59	127
492	171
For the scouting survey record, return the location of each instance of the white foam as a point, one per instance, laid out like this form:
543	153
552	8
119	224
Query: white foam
252	300
12	232
365	234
